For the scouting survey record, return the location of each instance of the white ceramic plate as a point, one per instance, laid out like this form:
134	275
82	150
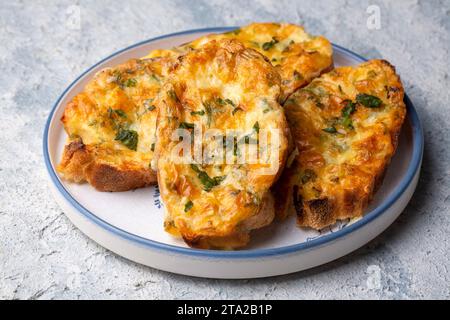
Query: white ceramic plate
131	223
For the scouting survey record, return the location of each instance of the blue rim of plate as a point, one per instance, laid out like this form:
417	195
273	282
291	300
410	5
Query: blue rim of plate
413	167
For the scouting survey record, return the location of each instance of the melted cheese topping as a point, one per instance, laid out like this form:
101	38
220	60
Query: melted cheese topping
345	126
297	56
221	86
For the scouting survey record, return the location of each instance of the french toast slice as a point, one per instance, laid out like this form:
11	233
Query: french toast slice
345	126
111	127
215	201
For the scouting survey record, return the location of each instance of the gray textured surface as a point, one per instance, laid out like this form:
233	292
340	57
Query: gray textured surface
43	256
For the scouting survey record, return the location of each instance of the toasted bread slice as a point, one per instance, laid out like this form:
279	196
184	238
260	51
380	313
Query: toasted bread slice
297	56
345	126
216	201
111	127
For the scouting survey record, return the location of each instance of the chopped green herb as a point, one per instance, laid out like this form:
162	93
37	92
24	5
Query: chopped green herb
349	108
256	127
368	100
205	179
330	130
340	89
152	147
188	206
148	105
348	123
347	111
221	101
128	137
218	180
198	113
236	110
119	112
247	139
195	168
269	45
229	102
154	77
131	83
186	125
316	94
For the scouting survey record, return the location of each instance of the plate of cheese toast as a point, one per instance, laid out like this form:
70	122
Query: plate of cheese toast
234	152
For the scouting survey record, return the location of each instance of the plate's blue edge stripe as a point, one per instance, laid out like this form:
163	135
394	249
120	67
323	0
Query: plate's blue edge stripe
414	166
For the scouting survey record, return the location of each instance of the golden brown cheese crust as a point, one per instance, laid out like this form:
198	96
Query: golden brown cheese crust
297	56
111	127
345	127
223	85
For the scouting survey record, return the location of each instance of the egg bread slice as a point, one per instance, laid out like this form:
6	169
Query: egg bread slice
215	201
111	127
345	127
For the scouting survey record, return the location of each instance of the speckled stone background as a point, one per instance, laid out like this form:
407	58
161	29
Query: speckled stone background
43	47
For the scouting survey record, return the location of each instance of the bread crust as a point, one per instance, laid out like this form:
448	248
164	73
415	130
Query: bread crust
79	164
